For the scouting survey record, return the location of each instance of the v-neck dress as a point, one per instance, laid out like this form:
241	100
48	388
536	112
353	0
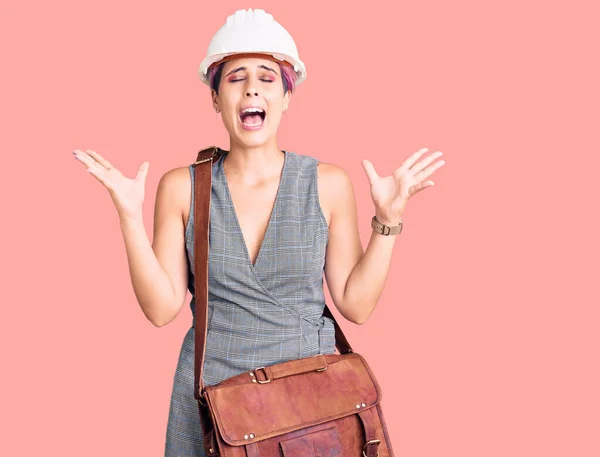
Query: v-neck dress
261	314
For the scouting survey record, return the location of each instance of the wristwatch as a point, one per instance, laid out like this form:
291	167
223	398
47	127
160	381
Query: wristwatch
385	229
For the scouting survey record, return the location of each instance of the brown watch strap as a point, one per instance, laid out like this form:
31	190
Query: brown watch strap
386	229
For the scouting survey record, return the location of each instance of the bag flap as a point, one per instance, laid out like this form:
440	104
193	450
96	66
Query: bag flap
242	407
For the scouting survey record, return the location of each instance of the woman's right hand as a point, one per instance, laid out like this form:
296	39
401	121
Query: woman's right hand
127	194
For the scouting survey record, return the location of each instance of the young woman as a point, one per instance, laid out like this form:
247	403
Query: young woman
278	221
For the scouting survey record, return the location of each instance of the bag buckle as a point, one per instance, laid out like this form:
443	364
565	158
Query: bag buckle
266	375
214	154
364	452
202	161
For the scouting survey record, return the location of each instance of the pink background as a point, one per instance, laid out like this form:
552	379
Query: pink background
485	341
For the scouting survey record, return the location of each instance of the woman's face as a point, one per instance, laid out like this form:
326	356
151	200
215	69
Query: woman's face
255	82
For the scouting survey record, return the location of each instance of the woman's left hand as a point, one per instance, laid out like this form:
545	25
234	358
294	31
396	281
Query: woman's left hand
390	194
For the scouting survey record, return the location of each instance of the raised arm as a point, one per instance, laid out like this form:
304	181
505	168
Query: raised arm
158	271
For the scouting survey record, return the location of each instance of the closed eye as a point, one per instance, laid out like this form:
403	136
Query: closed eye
241	79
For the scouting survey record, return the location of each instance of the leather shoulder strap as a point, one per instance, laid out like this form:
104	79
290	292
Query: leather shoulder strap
202	191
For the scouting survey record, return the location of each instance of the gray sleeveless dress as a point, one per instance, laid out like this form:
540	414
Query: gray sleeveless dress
260	314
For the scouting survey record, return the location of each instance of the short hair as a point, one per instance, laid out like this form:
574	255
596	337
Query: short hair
288	76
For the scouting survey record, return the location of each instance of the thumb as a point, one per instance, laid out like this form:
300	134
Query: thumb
142	171
370	171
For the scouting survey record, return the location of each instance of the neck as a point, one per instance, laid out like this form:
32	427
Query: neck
253	164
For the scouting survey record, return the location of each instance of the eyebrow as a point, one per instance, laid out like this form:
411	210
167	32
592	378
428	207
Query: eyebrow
244	68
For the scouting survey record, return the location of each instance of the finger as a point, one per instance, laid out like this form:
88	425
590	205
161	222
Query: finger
429	170
98	174
143	171
426	161
101	160
87	160
419	187
370	171
413	158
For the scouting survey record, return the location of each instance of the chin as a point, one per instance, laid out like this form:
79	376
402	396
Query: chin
254	139
253	142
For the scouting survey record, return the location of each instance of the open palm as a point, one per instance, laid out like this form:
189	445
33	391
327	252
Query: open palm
390	194
126	193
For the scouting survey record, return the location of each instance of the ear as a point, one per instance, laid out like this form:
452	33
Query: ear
215	100
287	98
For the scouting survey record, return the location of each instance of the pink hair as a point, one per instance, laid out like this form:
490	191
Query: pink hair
289	77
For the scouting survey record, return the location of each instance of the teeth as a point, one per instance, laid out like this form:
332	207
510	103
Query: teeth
253	110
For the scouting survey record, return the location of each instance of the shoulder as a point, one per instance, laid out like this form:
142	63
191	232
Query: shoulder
174	190
176	180
333	178
332	172
329	174
335	187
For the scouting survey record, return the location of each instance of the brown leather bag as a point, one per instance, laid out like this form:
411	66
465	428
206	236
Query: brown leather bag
326	405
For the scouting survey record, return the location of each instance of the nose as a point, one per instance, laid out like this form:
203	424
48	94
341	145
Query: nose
250	92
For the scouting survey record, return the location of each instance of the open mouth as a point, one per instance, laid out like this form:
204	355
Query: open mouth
252	118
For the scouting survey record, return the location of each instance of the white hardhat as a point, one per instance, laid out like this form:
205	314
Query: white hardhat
252	32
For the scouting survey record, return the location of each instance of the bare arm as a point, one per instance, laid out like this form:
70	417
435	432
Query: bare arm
355	277
159	271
